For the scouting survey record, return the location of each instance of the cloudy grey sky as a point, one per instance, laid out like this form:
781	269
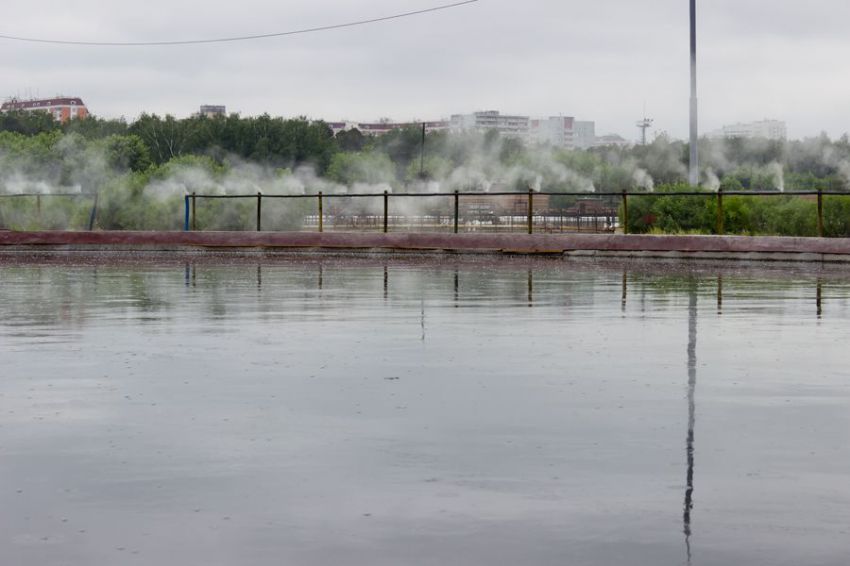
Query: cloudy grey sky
593	59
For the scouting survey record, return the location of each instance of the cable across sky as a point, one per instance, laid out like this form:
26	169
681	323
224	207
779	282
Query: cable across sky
237	38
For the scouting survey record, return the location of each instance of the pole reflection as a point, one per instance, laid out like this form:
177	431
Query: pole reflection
530	288
692	384
719	294
457	288
386	283
422	317
819	298
625	290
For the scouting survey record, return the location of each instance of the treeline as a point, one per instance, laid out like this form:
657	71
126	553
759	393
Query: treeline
142	169
469	161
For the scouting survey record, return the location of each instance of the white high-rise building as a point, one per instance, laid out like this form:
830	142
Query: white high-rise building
557	131
768	129
584	134
507	125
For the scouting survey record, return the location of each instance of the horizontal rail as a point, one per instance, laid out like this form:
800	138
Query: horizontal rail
474	194
545	193
12	195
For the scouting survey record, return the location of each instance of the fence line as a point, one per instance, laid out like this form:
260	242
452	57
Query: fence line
39	196
190	201
386	219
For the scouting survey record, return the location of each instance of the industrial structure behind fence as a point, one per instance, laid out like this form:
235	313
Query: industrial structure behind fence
530	212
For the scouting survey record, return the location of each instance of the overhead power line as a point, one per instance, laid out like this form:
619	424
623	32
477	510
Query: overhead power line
237	38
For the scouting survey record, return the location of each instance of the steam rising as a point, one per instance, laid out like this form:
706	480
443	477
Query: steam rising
152	198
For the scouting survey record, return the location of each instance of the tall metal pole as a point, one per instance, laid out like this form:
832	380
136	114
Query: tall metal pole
422	154
693	170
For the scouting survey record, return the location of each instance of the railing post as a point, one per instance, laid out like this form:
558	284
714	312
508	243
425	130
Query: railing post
625	212
185	213
386	209
457	210
259	211
194	213
720	211
93	215
530	210
820	213
321	213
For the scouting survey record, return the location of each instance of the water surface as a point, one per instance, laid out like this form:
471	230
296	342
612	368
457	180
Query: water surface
395	411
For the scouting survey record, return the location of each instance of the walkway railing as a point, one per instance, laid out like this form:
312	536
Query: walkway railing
39	198
613	209
492	211
505	215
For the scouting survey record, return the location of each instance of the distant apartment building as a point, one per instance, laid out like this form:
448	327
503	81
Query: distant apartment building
557	131
584	134
768	129
212	110
506	125
61	108
385	127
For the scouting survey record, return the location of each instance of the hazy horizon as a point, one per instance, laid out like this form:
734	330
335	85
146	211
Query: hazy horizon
601	61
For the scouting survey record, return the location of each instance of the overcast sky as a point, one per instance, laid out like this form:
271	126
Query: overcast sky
594	59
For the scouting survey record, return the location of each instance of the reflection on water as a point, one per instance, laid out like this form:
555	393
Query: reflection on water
692	385
397	411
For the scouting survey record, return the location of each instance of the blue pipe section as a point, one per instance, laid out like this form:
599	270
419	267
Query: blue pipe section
186	213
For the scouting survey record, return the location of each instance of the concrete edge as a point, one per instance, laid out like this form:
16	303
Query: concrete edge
757	248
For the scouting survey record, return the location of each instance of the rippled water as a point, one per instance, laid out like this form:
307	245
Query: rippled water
390	411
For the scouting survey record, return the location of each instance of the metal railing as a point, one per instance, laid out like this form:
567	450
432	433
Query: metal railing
527	218
38	197
719	227
611	213
611	221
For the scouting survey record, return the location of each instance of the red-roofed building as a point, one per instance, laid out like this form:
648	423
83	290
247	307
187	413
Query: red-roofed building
61	108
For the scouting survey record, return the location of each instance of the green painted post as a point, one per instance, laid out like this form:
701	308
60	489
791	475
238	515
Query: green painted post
720	211
625	212
259	211
321	213
457	210
386	210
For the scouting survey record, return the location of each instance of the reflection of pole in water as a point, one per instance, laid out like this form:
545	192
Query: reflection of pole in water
386	282
187	270
692	384
457	287
819	298
422	317
625	289
259	276
530	288
321	277
719	294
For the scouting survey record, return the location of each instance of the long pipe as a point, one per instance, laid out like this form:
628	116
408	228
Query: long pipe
693	171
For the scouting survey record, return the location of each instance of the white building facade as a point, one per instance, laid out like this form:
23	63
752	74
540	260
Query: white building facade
557	131
584	134
506	125
768	129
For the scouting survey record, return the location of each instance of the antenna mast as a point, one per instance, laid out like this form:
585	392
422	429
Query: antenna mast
643	126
